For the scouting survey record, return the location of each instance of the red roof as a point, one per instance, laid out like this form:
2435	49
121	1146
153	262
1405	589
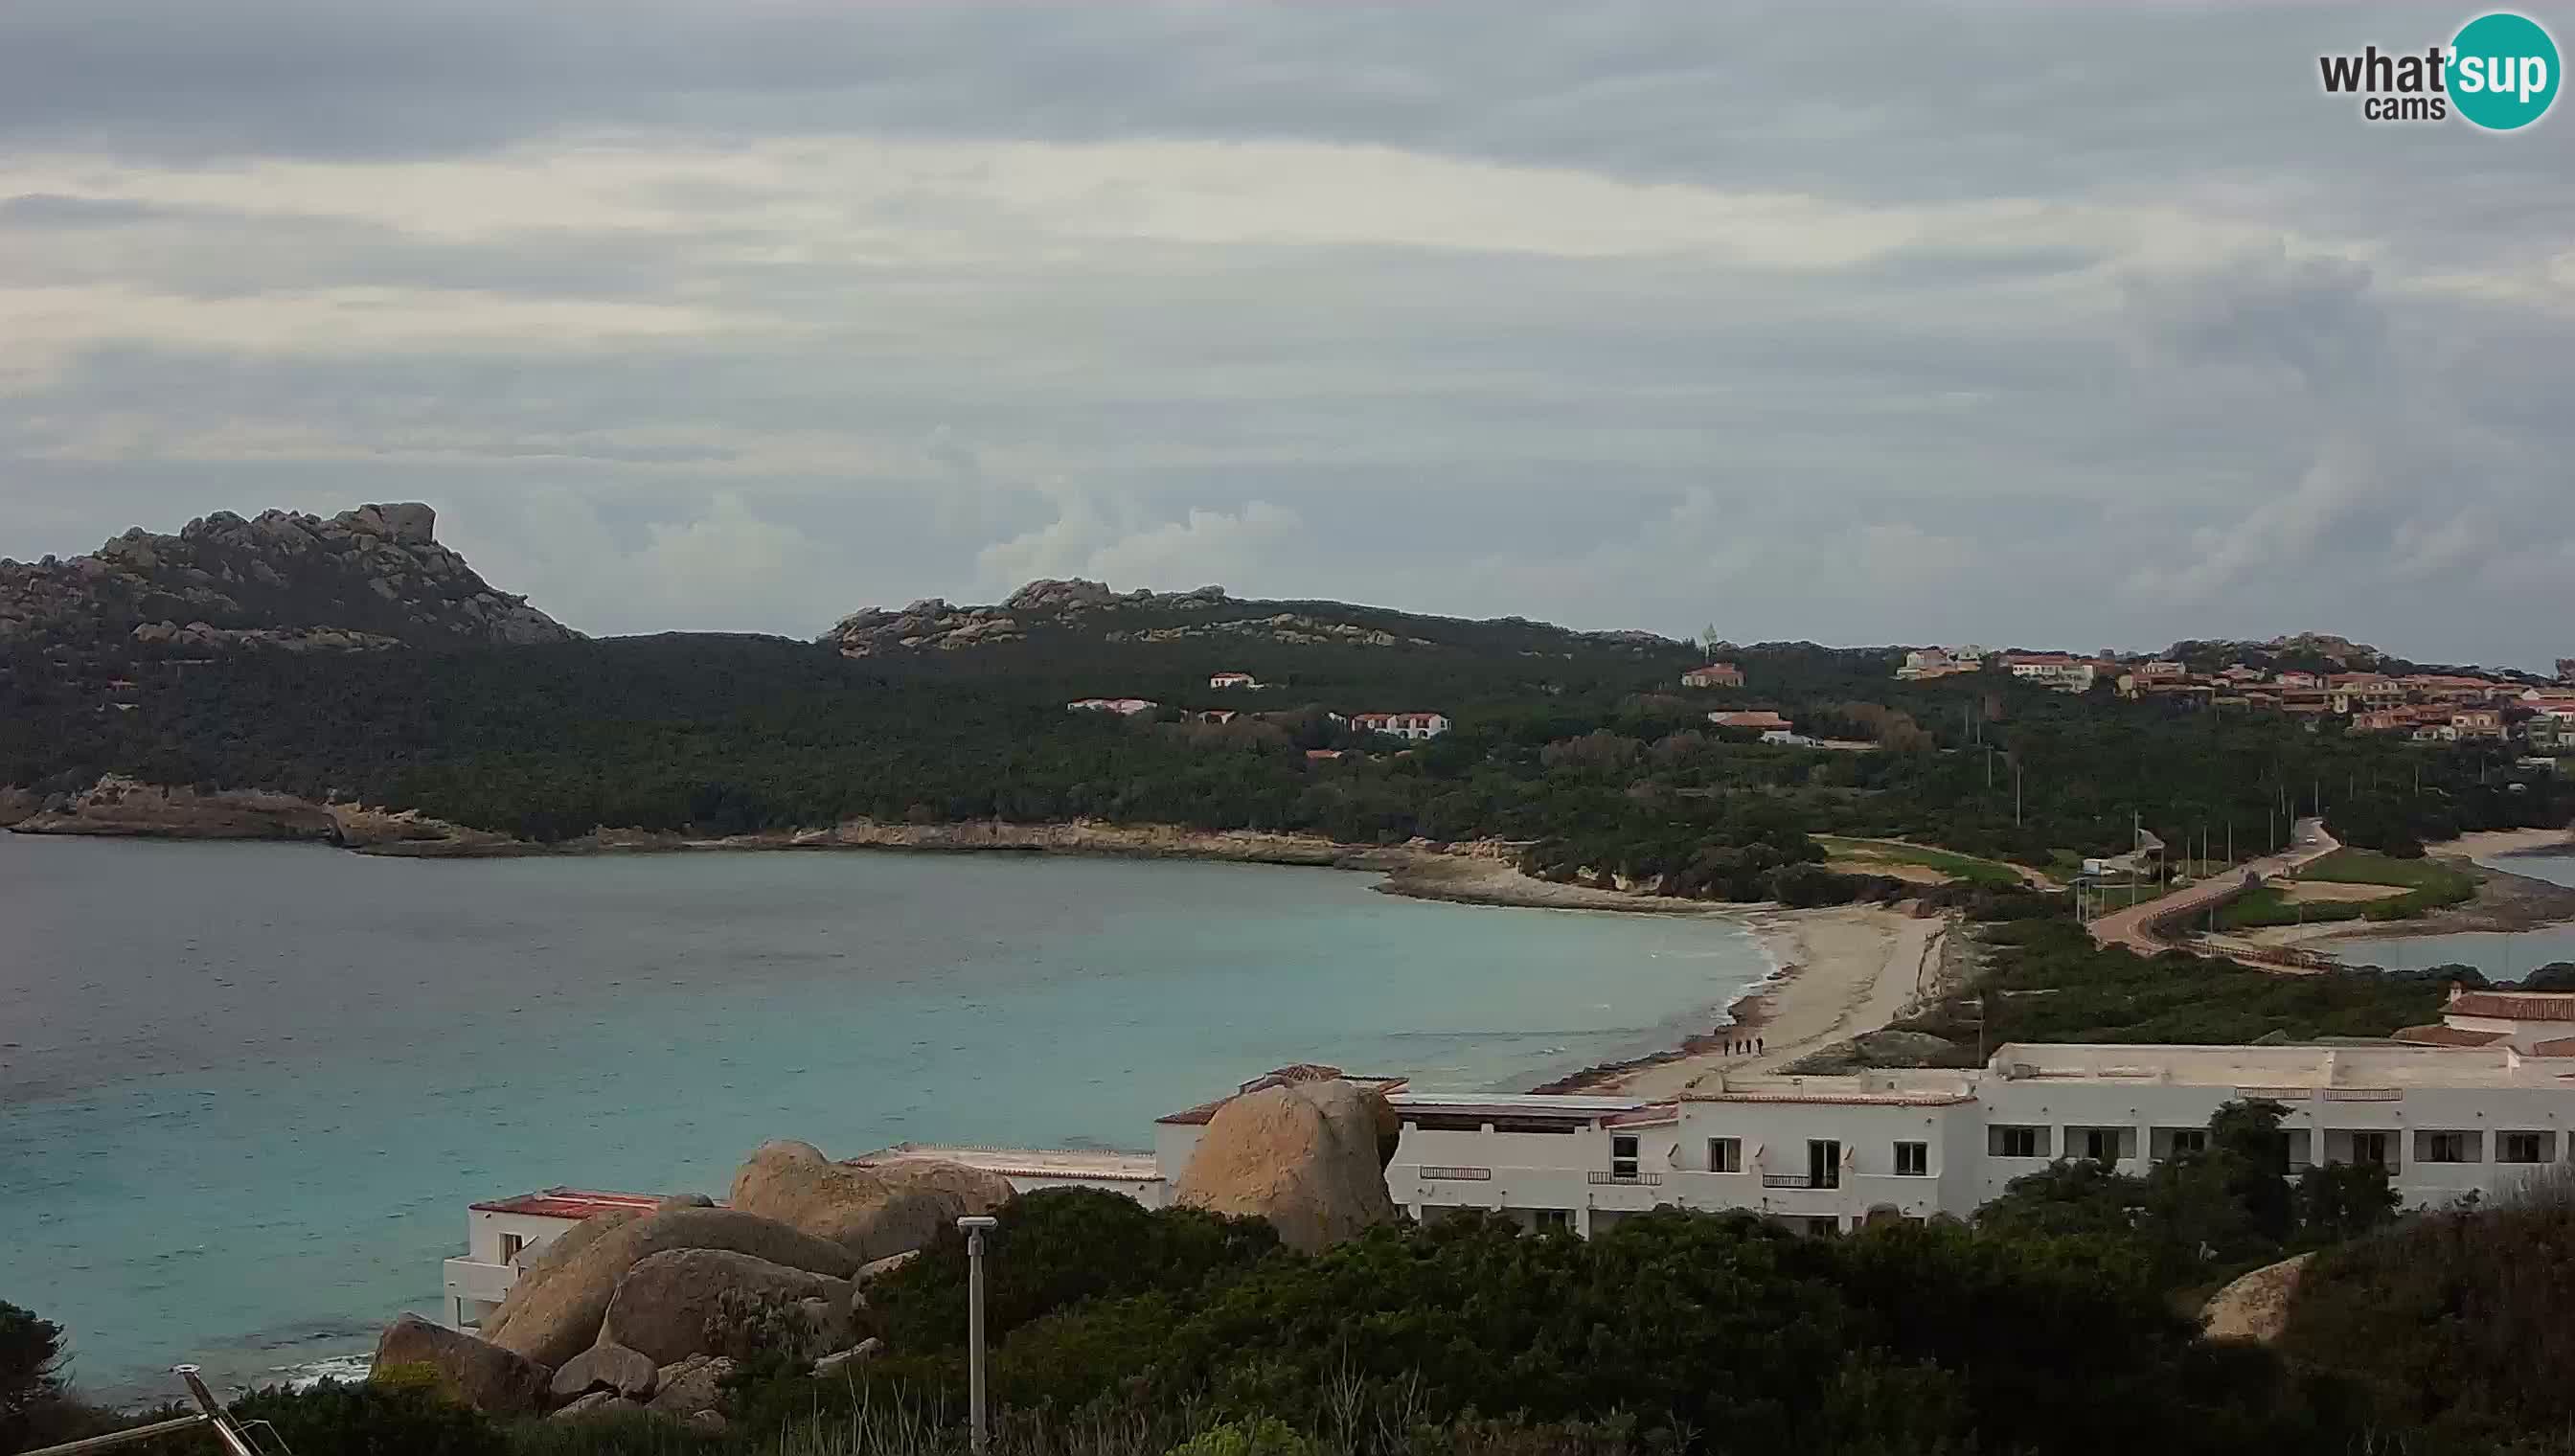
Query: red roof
2559	1046
2514	1006
2447	1037
571	1203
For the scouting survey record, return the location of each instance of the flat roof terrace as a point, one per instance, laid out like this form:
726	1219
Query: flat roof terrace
2298	1066
1093	1165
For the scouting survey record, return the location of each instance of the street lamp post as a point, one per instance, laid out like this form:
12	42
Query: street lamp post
974	1227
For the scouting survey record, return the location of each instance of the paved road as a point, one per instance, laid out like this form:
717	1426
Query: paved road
2134	927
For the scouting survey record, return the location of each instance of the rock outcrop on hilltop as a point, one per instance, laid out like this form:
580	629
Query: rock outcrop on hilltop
362	581
933	622
875	1209
482	1375
627	1307
2256	1306
1308	1156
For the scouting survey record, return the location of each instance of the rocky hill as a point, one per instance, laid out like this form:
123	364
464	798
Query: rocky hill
1092	611
364	579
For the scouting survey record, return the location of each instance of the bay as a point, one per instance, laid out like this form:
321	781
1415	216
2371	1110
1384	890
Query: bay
247	1091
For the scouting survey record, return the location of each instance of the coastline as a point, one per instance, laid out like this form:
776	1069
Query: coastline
1841	971
1479	872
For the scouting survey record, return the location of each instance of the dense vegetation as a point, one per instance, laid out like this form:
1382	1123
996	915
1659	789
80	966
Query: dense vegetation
1580	745
2040	978
2455	1322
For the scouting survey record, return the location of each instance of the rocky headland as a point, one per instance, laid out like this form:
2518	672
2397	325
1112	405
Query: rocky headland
362	581
933	624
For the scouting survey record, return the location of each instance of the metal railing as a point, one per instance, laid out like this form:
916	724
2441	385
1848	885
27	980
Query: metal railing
210	1413
1798	1181
1645	1180
1443	1174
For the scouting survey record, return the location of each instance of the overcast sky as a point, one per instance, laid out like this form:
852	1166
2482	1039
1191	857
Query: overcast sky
2072	325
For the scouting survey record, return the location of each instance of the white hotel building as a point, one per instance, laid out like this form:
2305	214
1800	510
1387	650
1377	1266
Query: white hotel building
2474	1104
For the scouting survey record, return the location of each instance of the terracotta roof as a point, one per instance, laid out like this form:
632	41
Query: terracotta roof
2559	1046
2446	1037
2514	1006
571	1203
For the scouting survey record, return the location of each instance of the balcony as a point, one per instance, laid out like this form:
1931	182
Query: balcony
1435	1174
1800	1180
1624	1180
470	1279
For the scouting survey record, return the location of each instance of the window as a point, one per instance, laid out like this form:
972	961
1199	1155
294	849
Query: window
2522	1147
2442	1148
2370	1149
1551	1220
1622	1156
2189	1140
1823	1228
1913	1160
2101	1144
1823	1164
2018	1142
1725	1156
511	1243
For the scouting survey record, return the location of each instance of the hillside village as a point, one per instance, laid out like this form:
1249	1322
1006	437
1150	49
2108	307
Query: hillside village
2427	708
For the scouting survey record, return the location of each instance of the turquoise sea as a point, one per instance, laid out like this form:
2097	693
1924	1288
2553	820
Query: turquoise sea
2501	955
247	1091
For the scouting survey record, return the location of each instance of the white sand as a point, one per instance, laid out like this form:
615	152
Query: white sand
1845	969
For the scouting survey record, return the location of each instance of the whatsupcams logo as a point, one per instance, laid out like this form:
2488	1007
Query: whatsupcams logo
2499	73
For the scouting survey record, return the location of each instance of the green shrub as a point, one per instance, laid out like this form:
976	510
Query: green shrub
370	1419
1055	1248
1263	1436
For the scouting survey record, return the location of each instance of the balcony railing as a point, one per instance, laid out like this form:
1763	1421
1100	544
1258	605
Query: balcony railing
1798	1181
1457	1175
1645	1180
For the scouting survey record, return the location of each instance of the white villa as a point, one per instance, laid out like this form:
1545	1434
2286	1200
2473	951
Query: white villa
501	1232
2474	1104
1402	725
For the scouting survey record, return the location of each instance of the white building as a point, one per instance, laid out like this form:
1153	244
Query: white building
1232	679
1827	1152
1402	725
2474	1104
1128	706
2052	669
500	1235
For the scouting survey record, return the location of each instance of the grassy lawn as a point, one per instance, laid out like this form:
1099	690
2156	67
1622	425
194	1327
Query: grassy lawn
2428	885
1957	866
2368	866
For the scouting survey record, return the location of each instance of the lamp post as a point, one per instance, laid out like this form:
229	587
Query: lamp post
974	1227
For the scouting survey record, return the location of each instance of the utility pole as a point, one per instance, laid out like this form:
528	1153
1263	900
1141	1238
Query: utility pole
2015	796
975	1226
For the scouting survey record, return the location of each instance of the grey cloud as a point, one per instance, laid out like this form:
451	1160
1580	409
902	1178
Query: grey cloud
50	210
1997	434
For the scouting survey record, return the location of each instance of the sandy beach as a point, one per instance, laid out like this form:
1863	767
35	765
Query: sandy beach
1843	971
